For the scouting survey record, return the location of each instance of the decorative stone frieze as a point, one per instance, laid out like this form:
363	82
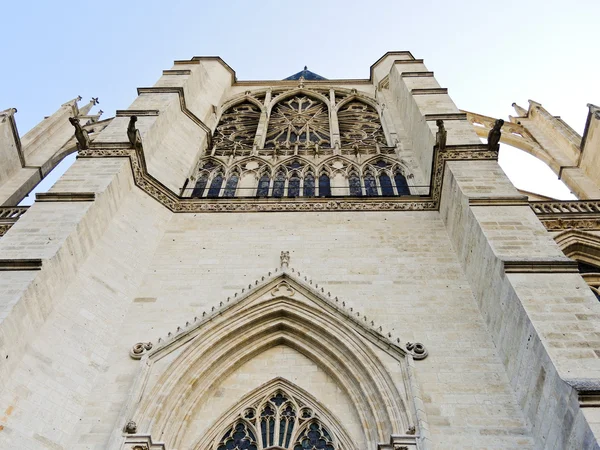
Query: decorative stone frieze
176	203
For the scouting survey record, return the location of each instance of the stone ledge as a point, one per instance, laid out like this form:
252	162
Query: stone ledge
429	91
137	112
446	116
540	267
177	72
416	74
517	200
20	264
408	61
65	196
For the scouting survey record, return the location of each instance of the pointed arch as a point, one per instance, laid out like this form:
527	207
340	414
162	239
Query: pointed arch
237	126
248	410
286	312
356	97
241	99
298	91
253	164
298	118
337	163
585	249
301	163
360	123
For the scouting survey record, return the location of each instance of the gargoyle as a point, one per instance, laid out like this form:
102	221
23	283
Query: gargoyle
440	136
133	134
493	139
83	140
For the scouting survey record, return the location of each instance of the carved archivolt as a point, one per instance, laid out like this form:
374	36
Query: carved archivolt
181	374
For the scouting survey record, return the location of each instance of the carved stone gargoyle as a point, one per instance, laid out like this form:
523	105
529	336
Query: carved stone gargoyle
493	139
133	134
440	136
83	140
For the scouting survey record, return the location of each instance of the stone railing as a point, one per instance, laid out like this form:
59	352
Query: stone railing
563	215
566	207
9	215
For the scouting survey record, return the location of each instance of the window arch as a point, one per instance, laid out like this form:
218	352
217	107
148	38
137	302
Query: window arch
231	185
236	130
263	185
299	120
324	185
208	180
279	420
215	186
360	125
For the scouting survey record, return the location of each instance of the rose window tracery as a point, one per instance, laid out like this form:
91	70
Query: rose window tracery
236	129
278	421
360	126
299	120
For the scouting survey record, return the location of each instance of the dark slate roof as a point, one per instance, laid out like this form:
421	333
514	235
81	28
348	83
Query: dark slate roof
306	74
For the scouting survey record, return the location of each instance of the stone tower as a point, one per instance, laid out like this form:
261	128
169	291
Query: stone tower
297	264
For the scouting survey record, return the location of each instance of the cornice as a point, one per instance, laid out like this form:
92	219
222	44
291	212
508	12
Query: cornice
429	91
176	203
568	214
540	267
416	74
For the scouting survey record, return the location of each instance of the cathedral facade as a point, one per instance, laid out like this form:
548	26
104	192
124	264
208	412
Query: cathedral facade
304	264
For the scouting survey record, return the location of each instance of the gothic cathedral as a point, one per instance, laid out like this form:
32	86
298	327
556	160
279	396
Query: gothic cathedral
304	264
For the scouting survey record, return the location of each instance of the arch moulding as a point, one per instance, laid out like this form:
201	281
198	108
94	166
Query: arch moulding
179	374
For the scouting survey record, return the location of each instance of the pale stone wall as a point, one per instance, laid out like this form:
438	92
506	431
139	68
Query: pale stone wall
398	269
507	351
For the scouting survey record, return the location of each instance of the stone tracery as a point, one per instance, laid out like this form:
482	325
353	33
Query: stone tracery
300	120
236	130
360	125
278	420
289	139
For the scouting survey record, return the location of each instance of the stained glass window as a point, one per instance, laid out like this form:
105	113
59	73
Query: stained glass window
314	437
354	184
267	425
401	184
200	186
309	185
237	128
370	186
279	185
263	186
294	186
386	185
324	186
299	120
231	186
282	423
238	437
360	125
215	186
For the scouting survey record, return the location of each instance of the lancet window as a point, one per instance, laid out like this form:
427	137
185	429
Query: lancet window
236	130
299	120
277	421
211	181
360	126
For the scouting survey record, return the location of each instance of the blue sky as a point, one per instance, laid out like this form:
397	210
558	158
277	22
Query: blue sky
487	54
